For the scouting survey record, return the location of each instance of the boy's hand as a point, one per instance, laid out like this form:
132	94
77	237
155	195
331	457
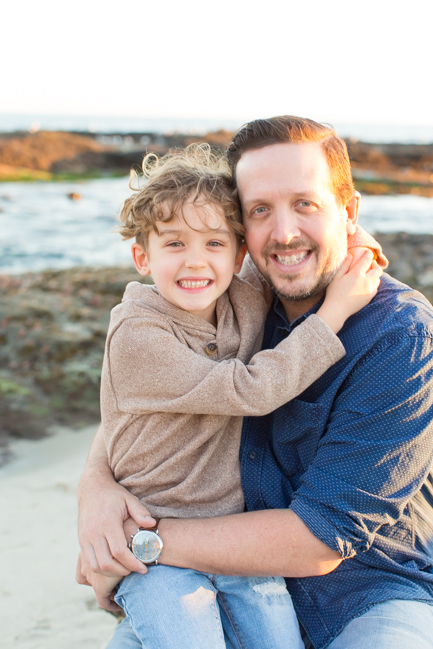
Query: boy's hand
102	585
353	287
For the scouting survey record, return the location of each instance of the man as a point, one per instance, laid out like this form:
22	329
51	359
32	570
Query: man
338	483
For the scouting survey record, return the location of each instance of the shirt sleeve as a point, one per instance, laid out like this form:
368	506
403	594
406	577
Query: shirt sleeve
377	449
150	370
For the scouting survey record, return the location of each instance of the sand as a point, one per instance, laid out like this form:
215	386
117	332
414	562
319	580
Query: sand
41	605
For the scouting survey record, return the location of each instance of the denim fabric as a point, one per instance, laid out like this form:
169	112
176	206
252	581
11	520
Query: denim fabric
352	456
394	624
175	607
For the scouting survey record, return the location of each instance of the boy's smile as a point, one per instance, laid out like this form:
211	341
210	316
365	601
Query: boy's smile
192	259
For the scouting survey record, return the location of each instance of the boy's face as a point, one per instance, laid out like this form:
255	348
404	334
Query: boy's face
193	258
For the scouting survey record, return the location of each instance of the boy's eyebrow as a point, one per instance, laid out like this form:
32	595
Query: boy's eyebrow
177	232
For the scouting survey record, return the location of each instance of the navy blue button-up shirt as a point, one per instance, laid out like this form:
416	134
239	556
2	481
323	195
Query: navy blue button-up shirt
352	457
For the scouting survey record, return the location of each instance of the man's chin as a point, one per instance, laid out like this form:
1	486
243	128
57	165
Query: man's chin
294	289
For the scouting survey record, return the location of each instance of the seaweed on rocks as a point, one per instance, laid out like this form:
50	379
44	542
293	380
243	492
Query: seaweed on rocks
52	334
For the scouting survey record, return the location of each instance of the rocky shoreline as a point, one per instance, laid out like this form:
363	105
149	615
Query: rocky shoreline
52	334
48	155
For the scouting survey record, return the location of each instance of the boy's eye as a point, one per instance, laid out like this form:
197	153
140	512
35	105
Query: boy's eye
175	244
215	243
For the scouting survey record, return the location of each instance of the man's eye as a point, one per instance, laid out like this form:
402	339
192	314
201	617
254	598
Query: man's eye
259	210
306	204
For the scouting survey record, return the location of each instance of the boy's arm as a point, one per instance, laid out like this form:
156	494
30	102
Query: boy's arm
150	370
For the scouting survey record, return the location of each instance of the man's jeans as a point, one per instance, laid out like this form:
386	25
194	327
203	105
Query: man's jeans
175	607
394	624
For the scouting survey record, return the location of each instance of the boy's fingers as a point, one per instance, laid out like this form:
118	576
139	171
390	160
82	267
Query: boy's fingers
364	262
344	266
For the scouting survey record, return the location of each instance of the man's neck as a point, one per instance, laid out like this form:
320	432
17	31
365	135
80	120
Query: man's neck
295	308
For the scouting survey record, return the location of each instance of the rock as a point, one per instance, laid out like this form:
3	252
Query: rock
52	332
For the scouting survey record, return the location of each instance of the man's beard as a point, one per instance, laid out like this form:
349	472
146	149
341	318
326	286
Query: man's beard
329	268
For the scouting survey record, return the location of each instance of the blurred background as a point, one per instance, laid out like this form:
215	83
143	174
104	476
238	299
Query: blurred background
86	90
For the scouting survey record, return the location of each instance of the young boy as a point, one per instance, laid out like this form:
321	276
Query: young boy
181	368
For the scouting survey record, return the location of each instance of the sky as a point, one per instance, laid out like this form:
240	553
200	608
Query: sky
335	61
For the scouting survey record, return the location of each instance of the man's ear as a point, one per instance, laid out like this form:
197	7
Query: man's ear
240	257
352	209
141	259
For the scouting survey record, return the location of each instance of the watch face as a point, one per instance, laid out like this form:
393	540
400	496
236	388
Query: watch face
147	546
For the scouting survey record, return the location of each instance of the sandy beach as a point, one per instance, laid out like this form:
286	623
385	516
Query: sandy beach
41	605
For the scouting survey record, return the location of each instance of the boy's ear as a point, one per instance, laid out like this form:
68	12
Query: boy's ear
352	210
240	257
141	259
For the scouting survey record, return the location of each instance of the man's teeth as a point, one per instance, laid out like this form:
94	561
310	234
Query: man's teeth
291	260
186	283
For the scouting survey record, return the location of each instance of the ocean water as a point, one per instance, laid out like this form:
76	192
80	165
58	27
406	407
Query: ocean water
415	133
40	227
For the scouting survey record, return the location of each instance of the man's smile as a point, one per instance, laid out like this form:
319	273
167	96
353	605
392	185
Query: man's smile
292	259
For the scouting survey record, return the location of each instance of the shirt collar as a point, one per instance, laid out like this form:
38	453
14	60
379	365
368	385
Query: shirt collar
281	317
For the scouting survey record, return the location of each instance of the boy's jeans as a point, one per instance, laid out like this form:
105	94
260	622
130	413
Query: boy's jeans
176	607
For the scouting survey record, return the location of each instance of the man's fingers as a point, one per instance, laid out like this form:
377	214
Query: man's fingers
107	604
139	513
124	558
108	563
89	555
80	577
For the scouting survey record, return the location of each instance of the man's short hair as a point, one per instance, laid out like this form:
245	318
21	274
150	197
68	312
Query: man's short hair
277	130
197	172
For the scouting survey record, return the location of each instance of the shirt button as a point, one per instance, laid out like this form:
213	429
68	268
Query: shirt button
253	455
211	349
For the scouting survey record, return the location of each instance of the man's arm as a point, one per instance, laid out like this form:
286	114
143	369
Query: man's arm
263	543
103	506
225	545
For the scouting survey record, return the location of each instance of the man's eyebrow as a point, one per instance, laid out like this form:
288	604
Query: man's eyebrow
262	198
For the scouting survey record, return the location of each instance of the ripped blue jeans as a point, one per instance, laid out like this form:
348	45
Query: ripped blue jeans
186	609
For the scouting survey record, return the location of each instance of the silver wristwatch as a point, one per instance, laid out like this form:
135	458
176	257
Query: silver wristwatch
146	545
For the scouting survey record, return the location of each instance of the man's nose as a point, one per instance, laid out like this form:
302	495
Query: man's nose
285	226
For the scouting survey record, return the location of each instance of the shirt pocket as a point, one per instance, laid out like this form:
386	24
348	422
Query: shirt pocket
297	429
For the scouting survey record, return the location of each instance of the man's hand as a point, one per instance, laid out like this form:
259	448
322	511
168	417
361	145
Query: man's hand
103	507
103	586
103	510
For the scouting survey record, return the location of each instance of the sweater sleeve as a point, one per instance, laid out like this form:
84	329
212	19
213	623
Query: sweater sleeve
362	239
150	370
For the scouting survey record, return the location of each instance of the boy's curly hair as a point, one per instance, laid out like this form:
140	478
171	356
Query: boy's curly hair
183	174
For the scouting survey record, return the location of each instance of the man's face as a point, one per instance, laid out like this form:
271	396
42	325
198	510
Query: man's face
296	231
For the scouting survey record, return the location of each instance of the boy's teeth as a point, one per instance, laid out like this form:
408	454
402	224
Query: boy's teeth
186	283
291	260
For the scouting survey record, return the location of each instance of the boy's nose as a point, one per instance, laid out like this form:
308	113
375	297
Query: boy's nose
195	261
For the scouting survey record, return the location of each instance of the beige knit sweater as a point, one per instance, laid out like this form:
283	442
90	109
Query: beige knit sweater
172	414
